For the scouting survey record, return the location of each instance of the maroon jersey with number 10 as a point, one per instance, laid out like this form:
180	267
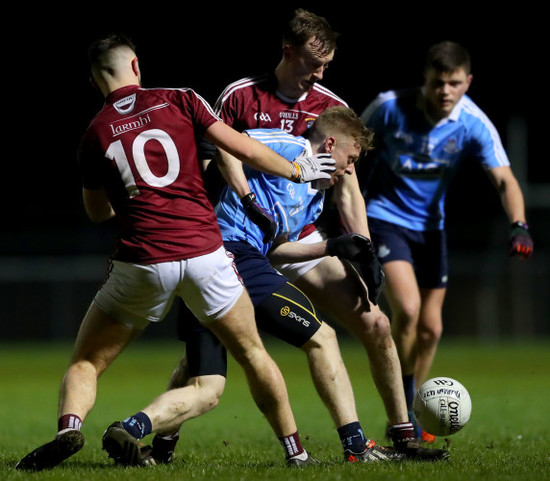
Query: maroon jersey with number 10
142	148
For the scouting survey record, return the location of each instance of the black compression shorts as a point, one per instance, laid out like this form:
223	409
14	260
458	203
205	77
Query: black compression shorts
281	310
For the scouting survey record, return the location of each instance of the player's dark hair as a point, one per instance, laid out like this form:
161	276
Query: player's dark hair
448	56
305	25
106	43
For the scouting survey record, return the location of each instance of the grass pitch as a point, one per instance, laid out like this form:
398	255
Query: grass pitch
507	437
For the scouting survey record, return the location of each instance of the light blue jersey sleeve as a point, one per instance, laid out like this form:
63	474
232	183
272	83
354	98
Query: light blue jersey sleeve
292	205
417	160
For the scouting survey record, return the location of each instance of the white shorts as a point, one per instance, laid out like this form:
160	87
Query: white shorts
137	294
298	269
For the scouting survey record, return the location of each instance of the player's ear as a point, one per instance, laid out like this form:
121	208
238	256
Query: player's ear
287	50
135	67
93	83
469	79
330	142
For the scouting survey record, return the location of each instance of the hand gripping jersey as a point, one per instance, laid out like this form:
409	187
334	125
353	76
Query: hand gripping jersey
292	205
416	160
142	148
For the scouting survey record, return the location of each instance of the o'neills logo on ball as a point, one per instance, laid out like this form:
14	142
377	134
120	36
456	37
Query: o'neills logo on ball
454	419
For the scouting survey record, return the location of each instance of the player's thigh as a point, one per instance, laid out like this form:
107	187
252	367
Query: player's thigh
295	270
210	285
335	288
289	315
205	355
101	338
136	294
401	289
236	328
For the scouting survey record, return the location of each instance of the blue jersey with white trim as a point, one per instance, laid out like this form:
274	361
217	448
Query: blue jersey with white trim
292	205
416	160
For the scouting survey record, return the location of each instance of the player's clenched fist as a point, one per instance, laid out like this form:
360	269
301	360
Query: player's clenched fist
521	243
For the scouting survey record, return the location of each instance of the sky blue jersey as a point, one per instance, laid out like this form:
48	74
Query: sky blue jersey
416	160
292	205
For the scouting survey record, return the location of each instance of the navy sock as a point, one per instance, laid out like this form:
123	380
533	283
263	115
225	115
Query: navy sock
408	384
410	391
139	425
352	437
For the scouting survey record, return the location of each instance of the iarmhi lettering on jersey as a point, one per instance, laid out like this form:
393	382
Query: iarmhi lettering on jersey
135	124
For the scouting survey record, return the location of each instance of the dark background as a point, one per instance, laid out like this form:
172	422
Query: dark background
49	251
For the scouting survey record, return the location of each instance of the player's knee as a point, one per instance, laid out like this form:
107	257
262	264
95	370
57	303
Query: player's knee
409	311
86	368
405	316
376	324
324	337
210	390
429	335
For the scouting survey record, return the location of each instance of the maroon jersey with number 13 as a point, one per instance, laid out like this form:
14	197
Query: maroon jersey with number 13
254	102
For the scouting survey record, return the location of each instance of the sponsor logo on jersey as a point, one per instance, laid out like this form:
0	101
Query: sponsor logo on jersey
419	166
289	115
135	124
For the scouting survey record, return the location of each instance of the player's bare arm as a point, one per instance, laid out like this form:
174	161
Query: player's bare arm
262	158
351	205
97	205
510	192
232	172
285	252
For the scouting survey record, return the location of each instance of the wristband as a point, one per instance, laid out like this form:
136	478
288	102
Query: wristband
248	199
296	171
518	223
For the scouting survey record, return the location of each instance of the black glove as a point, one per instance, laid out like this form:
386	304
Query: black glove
261	217
521	243
347	246
359	250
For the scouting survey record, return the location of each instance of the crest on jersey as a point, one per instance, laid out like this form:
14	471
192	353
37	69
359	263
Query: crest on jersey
451	147
125	105
309	121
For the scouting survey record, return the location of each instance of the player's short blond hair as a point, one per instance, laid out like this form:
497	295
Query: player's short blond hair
338	121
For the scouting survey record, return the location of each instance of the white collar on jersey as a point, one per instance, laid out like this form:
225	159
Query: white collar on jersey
452	117
289	100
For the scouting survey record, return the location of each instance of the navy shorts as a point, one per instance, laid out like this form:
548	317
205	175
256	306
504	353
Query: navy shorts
425	250
281	309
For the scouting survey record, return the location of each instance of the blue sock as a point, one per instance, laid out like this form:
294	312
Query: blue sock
410	391
139	425
408	383
352	437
